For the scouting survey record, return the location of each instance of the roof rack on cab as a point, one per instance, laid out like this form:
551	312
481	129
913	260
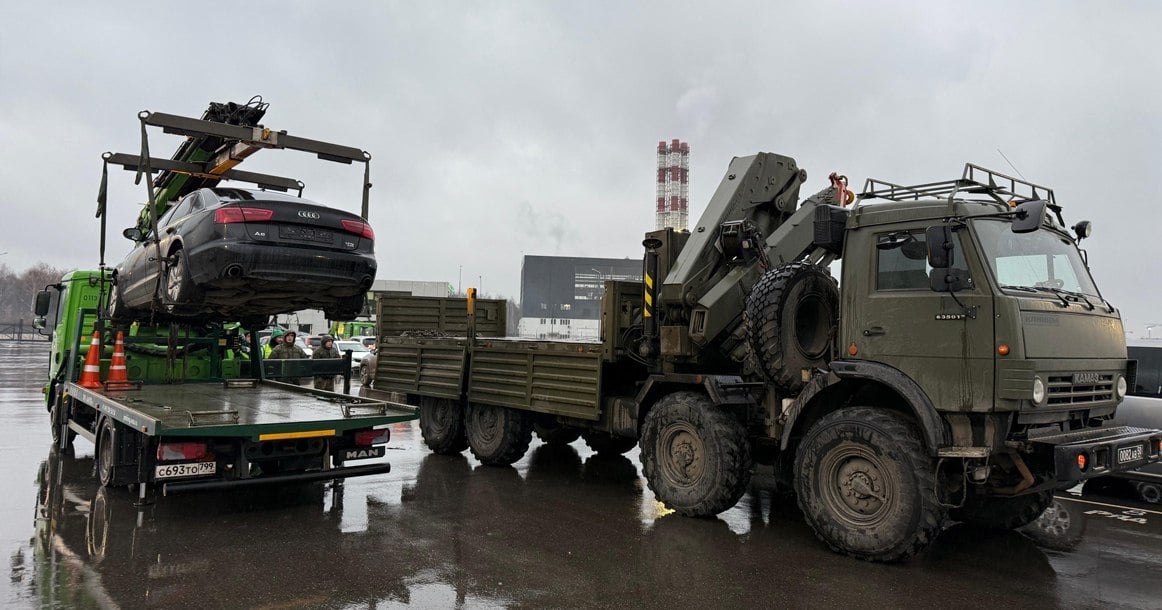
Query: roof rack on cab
975	180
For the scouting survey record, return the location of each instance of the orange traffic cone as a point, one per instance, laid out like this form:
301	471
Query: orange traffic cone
91	373
118	377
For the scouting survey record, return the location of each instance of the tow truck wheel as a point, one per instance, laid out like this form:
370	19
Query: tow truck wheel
866	485
106	452
496	435
791	317
603	443
56	422
556	434
695	457
442	425
1002	513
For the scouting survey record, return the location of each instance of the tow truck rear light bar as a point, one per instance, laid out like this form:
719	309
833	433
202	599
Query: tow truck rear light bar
228	215
180	451
378	436
359	228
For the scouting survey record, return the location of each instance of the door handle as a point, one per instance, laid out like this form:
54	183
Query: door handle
874	331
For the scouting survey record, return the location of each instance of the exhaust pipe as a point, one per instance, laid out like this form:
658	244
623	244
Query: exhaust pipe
233	271
365	283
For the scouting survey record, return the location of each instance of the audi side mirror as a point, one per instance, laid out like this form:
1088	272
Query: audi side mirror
132	233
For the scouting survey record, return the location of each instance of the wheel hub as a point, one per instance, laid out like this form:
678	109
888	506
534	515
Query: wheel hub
684	453
861	488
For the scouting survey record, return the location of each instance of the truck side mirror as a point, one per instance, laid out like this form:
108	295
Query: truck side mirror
940	242
1029	216
41	303
946	280
132	233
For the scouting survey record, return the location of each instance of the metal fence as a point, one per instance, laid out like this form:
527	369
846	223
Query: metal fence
20	330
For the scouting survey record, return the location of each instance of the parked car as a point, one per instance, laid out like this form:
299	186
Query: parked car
226	253
368	341
358	352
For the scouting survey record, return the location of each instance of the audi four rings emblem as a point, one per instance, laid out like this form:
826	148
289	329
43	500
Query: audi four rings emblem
306	214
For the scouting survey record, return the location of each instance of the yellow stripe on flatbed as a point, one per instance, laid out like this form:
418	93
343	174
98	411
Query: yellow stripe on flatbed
278	436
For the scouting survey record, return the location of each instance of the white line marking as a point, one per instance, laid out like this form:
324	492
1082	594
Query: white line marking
1151	512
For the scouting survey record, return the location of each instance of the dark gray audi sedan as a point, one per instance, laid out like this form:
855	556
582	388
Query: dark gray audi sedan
243	254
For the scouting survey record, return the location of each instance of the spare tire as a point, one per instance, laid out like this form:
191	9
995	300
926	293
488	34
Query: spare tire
791	319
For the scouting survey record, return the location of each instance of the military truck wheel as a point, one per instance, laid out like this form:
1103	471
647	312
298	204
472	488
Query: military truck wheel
442	425
866	485
695	457
556	434
791	318
604	443
1002	513
497	436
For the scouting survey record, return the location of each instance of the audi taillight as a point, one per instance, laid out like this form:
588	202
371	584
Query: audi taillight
379	436
228	215
180	451
359	227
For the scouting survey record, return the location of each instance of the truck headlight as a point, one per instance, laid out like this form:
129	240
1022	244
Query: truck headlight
1122	387
1038	391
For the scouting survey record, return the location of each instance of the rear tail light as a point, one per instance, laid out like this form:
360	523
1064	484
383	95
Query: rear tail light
228	215
364	438
1082	462
180	451
359	228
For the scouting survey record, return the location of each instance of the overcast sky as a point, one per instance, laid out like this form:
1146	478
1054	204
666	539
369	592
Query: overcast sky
499	129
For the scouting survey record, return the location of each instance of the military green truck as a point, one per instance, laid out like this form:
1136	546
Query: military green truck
963	366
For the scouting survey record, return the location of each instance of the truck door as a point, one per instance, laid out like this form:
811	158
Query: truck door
892	316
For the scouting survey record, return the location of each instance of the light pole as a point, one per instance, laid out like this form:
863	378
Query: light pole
460	280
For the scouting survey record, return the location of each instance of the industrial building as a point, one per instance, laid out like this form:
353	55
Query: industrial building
560	296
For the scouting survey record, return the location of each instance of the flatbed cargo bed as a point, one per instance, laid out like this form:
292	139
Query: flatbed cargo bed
248	410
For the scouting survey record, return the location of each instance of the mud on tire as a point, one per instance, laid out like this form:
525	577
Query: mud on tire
695	457
866	485
442	425
497	436
791	318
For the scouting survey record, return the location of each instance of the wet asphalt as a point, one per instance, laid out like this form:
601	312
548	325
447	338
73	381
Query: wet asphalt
561	529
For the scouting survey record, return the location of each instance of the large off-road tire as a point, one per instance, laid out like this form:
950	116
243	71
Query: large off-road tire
866	485
604	443
1002	513
791	318
442	425
556	434
497	436
180	292
695	456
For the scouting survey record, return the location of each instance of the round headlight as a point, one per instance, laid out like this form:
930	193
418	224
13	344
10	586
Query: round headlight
1038	391
1122	387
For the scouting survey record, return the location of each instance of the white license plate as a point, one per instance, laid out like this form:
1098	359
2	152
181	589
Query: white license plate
196	469
1129	454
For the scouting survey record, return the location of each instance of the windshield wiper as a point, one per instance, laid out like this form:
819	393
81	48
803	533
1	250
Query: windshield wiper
1039	289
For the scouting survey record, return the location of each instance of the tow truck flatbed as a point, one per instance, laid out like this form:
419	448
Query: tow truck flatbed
269	409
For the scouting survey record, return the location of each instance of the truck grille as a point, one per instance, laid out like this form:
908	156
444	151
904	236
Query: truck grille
1064	391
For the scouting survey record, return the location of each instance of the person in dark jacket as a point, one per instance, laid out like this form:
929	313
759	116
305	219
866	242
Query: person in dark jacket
326	349
287	349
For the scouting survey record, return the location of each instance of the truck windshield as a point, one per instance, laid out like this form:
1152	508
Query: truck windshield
1041	259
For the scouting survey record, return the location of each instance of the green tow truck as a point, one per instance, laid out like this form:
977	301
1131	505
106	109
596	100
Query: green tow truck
965	366
202	410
